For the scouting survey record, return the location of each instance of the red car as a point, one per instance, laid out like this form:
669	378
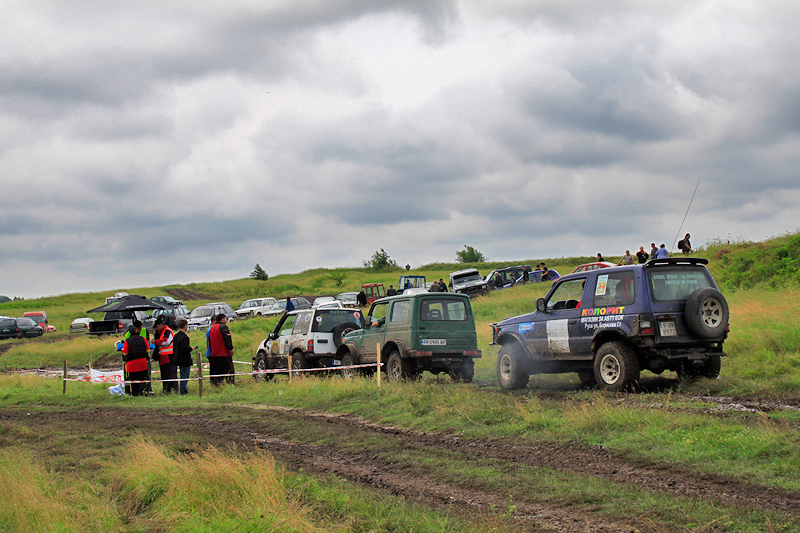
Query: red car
593	266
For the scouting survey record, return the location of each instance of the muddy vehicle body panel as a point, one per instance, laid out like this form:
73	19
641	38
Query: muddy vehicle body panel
664	315
432	332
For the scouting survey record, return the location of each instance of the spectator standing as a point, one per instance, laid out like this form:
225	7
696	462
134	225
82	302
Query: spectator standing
498	281
525	276
221	352
435	287
164	351
662	252
289	306
391	292
627	259
183	354
442	286
546	272
653	250
600	257
134	354
684	245
642	256
361	299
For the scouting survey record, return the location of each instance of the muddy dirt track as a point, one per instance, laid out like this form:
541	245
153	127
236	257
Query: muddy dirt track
274	429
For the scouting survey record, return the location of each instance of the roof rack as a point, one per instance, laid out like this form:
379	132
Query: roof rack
678	261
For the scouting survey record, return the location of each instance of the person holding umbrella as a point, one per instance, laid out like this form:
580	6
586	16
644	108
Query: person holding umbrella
163	353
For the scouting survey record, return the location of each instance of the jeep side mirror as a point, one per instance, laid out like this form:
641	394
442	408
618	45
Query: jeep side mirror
541	306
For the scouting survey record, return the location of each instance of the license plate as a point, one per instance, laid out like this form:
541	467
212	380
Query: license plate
434	342
667	329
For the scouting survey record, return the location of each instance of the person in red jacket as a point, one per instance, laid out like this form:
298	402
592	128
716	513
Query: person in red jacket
134	354
164	354
221	362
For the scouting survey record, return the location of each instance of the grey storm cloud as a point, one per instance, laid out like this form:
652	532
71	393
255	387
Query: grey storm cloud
148	143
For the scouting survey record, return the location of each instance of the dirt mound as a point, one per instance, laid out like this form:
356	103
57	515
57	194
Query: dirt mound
184	295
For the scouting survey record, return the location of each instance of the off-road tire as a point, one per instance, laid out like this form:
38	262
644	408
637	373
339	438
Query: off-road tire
349	360
394	367
512	367
341	330
616	366
300	361
464	372
707	313
261	364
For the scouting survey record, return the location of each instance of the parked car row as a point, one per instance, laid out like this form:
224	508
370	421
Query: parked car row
19	327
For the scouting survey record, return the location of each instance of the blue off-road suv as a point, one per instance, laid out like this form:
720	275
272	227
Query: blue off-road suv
610	324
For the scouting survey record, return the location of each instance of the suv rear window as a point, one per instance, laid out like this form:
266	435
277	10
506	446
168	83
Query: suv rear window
676	284
432	309
327	320
118	315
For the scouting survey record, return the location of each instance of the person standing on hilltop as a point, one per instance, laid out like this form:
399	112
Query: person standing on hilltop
642	255
627	259
662	252
684	245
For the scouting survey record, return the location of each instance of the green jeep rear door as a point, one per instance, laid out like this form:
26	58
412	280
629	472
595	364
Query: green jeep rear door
445	324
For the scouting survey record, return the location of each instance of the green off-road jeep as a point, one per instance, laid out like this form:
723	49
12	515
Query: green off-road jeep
416	332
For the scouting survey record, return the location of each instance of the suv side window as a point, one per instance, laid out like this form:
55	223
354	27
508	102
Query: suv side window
567	295
614	289
378	311
400	311
301	323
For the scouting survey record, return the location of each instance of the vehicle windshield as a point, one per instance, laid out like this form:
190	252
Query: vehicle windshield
347	297
166	312
201	312
278	306
676	284
36	318
463	278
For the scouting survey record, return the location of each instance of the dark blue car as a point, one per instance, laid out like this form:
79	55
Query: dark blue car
610	324
19	327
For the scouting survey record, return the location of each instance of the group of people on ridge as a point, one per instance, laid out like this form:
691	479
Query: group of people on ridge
684	245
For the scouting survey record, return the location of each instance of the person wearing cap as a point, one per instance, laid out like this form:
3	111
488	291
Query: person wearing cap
134	355
163	353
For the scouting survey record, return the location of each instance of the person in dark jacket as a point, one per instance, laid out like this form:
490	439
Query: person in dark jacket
221	362
134	354
183	354
289	305
361	299
391	292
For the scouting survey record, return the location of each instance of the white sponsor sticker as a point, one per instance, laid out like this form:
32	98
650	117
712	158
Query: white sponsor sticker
434	342
558	336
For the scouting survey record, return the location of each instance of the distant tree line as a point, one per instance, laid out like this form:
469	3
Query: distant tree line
4	299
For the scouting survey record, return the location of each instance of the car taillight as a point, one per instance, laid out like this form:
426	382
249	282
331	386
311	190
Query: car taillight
424	353
472	353
120	326
646	325
310	345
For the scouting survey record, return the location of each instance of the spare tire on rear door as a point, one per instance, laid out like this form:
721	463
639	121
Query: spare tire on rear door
341	330
707	313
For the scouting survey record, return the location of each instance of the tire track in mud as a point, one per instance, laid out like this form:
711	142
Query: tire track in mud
597	461
367	466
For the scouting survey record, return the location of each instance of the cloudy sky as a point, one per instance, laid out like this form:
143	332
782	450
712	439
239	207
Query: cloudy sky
146	143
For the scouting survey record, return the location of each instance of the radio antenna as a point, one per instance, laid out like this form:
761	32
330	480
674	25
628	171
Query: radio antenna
684	216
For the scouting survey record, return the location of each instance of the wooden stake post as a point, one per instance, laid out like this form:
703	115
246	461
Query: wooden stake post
65	377
379	365
199	375
289	361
